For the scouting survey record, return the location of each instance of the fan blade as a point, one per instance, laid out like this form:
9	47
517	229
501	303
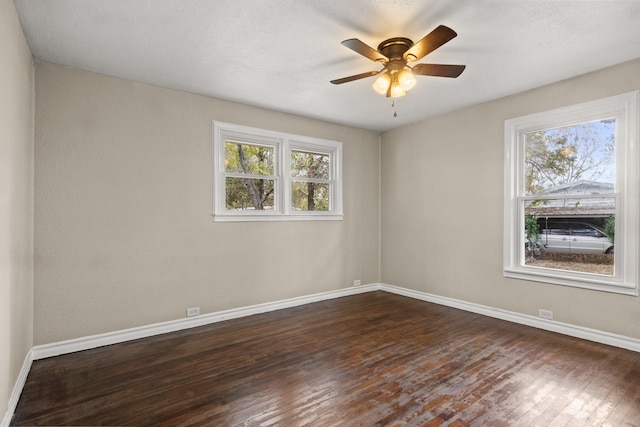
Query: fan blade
438	70
364	50
429	43
356	77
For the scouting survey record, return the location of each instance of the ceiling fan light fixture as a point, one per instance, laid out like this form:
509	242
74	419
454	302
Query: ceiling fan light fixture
395	90
406	79
381	85
394	84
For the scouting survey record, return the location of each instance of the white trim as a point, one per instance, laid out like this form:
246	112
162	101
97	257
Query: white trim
17	389
624	108
282	144
108	338
595	335
94	341
258	217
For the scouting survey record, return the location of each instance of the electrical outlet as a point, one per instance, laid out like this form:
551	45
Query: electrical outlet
356	283
193	311
545	314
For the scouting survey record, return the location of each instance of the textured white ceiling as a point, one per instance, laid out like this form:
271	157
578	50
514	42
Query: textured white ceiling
281	54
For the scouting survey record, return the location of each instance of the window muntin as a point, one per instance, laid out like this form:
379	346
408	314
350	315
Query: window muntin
266	175
592	150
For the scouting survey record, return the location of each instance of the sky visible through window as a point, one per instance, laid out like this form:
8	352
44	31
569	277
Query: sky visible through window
560	156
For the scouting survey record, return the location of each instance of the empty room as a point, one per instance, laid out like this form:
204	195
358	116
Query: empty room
319	213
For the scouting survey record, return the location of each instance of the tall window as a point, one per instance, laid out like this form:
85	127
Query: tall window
266	175
571	214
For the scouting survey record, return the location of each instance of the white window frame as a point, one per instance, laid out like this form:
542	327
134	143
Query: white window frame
283	144
624	109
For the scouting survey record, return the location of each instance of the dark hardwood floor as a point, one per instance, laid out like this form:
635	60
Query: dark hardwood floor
374	359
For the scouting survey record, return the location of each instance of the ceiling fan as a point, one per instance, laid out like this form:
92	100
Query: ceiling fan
397	76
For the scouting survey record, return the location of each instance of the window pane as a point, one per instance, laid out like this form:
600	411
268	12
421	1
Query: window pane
577	159
249	194
571	234
309	165
309	196
248	159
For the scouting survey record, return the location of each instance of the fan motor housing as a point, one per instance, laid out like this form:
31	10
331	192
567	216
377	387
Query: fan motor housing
395	47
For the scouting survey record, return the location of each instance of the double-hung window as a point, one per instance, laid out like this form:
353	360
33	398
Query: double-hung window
571	195
262	175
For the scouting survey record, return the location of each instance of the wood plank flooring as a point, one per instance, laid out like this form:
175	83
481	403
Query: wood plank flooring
375	359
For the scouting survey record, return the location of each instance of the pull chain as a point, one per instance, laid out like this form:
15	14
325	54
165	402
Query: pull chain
393	105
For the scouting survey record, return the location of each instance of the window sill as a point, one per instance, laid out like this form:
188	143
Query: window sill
277	217
565	278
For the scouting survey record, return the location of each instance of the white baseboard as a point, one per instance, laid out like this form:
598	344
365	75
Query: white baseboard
17	389
94	341
523	319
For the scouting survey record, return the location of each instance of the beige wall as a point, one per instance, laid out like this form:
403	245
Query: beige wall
442	208
123	232
16	200
123	200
